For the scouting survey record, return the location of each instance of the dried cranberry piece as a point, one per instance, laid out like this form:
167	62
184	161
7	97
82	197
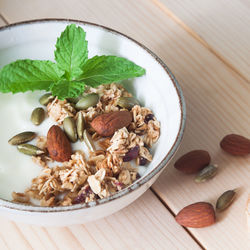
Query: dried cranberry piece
131	154
148	118
142	161
80	198
137	176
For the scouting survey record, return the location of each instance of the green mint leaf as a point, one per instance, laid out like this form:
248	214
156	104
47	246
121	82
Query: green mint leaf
67	89
71	51
107	69
24	75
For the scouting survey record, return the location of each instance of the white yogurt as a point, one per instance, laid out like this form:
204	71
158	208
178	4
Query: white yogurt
16	169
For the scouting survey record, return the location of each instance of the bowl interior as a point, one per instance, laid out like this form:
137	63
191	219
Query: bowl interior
156	90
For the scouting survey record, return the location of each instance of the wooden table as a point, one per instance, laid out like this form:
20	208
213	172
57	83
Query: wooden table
207	46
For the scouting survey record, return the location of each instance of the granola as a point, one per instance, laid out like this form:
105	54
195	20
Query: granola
89	176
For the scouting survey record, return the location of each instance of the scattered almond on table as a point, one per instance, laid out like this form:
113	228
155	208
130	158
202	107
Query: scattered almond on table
202	214
235	144
197	215
193	161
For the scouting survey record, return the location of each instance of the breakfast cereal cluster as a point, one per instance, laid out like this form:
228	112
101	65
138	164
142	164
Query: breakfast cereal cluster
102	171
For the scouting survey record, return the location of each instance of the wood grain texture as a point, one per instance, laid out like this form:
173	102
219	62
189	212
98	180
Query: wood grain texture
146	224
217	104
223	25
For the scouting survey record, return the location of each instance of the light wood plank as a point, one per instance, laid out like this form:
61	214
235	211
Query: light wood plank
146	224
12	236
3	245
2	23
217	102
223	25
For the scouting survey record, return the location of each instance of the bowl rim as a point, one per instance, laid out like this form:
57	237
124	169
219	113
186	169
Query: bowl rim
39	209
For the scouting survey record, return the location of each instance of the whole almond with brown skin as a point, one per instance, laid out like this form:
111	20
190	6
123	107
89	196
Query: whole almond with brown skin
107	124
58	144
193	161
200	214
235	144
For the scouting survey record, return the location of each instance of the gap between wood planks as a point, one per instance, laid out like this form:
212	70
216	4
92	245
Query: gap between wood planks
197	37
173	214
3	18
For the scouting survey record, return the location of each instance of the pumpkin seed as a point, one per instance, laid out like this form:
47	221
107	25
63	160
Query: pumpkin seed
22	138
38	116
74	100
88	141
127	102
87	101
46	99
69	126
29	149
225	200
80	125
206	173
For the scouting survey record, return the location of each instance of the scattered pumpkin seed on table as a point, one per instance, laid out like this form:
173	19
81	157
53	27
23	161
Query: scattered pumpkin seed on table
225	200
206	174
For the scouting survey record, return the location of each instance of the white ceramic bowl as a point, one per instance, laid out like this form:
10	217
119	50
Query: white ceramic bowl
157	90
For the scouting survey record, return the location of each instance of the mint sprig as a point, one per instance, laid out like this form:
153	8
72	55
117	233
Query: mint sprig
107	69
72	71
67	89
24	75
71	51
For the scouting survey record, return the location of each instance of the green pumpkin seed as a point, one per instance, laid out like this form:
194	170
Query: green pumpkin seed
69	126
74	100
46	99
206	173
38	116
22	138
127	102
80	124
225	200
88	140
29	149
87	101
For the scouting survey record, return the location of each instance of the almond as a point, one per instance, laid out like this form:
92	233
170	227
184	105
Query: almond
193	161
235	144
107	124
200	214
58	144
